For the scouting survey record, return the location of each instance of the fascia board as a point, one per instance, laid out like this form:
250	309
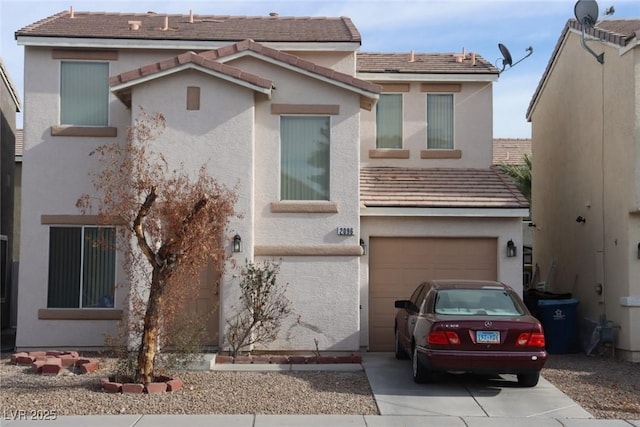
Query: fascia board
174	44
417	77
183	67
445	212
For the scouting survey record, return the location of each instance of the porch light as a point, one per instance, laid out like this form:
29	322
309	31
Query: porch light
511	249
237	243
364	247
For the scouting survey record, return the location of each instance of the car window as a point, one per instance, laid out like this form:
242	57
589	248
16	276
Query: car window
492	302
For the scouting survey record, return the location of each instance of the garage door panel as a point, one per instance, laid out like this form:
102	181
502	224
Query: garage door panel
399	264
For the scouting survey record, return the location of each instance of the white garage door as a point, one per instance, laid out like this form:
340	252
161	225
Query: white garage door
398	264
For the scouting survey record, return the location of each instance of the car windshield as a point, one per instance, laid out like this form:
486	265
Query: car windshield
474	302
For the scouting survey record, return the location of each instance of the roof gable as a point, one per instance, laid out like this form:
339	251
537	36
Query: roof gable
122	83
618	32
4	76
250	47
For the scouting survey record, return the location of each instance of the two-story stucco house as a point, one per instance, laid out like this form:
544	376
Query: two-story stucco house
585	120
361	173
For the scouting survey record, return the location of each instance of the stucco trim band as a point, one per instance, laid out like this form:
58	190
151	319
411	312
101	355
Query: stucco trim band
329	109
395	87
98	132
79	220
108	55
441	154
304	207
79	314
448	88
311	250
388	153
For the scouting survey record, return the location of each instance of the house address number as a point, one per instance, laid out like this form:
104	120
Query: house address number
345	231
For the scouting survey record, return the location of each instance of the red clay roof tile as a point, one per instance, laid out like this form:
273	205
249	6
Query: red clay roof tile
429	63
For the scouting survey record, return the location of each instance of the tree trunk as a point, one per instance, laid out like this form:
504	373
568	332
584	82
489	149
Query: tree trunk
149	345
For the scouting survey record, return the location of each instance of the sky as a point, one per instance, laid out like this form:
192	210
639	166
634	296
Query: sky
385	26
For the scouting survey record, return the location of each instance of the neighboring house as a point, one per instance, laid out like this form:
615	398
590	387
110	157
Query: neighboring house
338	176
9	106
511	151
585	118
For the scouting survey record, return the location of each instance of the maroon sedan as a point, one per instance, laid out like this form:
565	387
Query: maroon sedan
469	326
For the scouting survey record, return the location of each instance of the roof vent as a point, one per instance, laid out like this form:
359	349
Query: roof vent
190	16
273	14
460	56
71	12
412	57
166	23
135	25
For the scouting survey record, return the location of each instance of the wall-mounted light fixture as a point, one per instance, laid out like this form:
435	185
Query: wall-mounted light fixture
581	219
638	250
363	246
237	243
511	249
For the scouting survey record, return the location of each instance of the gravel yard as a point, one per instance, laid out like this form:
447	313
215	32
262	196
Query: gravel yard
605	387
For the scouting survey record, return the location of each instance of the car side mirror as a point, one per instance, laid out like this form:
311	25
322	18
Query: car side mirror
403	303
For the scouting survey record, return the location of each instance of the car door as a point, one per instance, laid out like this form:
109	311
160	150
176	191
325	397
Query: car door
412	314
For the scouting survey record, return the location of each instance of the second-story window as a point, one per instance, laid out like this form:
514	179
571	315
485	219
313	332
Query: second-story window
389	121
304	157
84	93
440	121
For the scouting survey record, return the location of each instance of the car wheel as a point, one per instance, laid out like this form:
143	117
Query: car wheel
529	379
420	373
400	353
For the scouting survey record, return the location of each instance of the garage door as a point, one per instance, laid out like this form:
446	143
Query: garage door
398	264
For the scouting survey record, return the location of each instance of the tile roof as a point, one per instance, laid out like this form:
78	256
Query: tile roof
432	63
202	27
439	188
616	31
510	151
4	76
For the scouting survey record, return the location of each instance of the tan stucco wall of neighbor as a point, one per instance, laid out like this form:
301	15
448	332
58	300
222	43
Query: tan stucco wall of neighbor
585	134
473	131
509	269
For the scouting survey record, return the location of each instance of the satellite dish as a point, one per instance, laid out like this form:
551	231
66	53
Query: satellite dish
586	12
507	59
506	55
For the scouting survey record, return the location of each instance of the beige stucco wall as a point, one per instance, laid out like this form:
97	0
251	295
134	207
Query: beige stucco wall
235	134
584	131
473	131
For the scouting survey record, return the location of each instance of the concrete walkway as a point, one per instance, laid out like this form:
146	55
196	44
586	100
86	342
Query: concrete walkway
456	401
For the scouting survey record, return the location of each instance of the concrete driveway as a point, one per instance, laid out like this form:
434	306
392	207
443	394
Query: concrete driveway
462	395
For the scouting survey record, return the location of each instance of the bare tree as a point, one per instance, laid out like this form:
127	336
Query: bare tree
171	224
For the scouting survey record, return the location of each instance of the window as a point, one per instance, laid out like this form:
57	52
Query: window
304	158
84	93
473	302
440	121
389	121
81	267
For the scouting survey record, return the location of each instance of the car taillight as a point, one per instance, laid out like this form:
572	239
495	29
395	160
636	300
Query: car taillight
531	339
443	338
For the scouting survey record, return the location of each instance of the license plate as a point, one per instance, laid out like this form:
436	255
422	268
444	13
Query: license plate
488	337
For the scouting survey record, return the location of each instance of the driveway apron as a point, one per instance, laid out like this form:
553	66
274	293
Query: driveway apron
462	395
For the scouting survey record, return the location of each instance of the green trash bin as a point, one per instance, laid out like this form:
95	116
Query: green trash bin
559	320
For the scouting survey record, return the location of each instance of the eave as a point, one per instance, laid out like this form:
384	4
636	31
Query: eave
444	212
424	77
